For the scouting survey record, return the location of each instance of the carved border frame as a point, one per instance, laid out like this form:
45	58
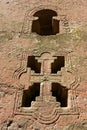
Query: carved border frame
28	18
18	98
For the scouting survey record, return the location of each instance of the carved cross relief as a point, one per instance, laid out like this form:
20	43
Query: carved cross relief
47	83
45	70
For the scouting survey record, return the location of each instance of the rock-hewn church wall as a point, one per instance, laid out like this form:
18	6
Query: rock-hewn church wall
12	12
43	78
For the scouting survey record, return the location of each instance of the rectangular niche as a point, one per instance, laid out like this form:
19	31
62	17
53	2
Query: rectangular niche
33	64
58	64
30	95
61	94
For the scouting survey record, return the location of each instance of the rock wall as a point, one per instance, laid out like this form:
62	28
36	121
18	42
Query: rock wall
17	43
13	12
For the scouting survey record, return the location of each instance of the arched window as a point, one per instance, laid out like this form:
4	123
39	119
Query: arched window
45	23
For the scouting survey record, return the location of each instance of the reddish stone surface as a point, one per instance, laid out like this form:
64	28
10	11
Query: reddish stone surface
42	78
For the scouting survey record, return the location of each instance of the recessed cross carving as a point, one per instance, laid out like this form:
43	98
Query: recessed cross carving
45	77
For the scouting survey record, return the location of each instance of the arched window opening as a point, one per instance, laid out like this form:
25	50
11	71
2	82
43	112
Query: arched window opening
30	94
61	94
45	24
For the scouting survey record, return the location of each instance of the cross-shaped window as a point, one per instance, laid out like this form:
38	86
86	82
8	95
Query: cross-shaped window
45	80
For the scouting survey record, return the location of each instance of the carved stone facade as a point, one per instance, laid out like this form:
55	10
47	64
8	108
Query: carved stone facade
43	66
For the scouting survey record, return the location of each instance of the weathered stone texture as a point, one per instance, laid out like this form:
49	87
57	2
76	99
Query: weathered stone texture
43	79
13	12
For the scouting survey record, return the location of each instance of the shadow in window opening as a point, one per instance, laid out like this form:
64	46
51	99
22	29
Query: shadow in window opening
45	24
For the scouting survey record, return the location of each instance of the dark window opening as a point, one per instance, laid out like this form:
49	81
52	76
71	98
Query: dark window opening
58	64
45	24
33	64
30	94
61	93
